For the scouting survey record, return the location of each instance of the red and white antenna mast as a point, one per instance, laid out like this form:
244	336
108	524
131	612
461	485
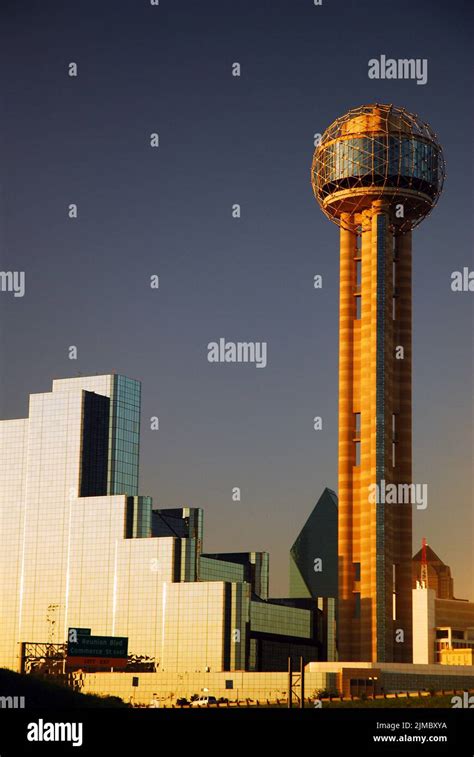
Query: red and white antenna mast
424	565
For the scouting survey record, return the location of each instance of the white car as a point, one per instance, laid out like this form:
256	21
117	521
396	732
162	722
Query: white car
203	701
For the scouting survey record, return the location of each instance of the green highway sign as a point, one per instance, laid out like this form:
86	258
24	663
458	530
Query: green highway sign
80	645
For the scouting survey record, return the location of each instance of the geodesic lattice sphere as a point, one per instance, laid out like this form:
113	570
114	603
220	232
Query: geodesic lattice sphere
378	152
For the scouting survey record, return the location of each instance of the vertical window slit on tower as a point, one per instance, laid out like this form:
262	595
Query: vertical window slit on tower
356	425
394	590
357	604
394	438
394	288
358	274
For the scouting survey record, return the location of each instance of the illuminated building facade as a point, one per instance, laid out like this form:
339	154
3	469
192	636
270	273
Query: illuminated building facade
81	548
377	172
443	626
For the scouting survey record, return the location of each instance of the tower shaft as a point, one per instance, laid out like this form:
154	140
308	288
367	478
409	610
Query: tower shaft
374	438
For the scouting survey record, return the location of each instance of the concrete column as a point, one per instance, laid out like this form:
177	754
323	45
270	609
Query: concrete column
346	448
403	446
367	405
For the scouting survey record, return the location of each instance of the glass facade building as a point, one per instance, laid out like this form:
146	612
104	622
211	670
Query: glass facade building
252	566
81	548
124	436
313	556
314	566
401	160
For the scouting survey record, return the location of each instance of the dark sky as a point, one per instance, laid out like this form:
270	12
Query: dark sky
167	211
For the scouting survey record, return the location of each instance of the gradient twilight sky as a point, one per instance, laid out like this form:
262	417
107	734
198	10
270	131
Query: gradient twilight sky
167	211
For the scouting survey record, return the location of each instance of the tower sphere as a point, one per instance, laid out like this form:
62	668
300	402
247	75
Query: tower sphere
378	152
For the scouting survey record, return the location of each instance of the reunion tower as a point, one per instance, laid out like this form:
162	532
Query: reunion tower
377	172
